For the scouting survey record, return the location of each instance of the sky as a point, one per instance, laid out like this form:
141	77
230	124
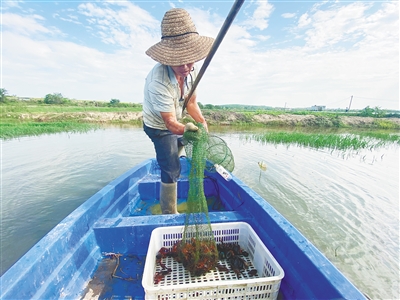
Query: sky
283	53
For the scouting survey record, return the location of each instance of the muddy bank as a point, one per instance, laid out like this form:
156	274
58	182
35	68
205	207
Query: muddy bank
229	118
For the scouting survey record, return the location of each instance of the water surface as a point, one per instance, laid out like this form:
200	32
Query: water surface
345	203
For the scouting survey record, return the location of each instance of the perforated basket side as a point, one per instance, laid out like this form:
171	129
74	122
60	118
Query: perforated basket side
212	285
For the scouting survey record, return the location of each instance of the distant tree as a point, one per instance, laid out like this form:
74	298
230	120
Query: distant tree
3	94
378	112
209	106
114	102
55	98
373	112
201	106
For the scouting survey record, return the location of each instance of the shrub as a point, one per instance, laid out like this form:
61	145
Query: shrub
114	102
55	98
384	124
3	94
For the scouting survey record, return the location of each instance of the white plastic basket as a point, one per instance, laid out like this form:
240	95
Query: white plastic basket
179	284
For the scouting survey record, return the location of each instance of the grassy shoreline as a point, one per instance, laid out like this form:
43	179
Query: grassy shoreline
11	131
24	119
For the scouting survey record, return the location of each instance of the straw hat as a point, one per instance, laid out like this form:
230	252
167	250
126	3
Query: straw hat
180	42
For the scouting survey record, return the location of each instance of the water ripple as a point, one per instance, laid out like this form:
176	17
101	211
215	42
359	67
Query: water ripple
345	203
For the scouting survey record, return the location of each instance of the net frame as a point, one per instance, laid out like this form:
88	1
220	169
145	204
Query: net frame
217	152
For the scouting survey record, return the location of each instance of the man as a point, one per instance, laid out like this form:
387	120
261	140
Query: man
166	87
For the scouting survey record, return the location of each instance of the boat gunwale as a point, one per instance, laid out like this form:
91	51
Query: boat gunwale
247	207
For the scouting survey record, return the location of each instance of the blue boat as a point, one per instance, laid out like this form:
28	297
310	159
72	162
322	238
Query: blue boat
99	251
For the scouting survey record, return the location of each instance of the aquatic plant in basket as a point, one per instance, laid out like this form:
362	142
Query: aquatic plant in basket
198	256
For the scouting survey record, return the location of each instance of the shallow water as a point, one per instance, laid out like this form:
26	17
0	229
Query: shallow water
346	203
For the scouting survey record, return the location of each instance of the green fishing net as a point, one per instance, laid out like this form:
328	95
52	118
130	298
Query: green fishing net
197	249
216	152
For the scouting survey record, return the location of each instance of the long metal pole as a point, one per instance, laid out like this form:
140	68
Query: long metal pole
229	19
351	100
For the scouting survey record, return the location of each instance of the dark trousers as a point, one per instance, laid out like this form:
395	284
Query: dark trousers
166	146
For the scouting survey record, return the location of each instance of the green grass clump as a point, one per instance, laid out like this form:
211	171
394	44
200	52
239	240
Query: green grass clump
328	140
13	130
384	124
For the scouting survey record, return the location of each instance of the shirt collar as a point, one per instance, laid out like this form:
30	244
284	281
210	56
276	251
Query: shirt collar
171	75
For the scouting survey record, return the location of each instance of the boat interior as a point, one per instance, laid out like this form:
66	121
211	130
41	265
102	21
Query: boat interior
99	250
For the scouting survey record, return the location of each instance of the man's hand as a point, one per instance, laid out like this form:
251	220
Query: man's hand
191	127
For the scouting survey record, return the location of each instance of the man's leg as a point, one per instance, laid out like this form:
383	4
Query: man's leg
166	146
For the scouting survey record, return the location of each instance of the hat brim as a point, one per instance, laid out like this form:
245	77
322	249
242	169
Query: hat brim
181	51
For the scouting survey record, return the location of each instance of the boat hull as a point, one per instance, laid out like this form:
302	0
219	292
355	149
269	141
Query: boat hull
74	260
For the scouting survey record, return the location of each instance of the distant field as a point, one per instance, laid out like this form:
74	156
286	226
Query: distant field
21	118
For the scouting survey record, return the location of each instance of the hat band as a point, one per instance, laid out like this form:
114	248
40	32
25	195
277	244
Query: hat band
172	36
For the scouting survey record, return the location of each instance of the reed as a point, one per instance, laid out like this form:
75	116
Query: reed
10	130
331	141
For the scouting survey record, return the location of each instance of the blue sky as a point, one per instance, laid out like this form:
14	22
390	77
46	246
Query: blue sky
276	53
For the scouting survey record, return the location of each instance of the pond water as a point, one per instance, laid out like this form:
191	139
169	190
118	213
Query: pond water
345	203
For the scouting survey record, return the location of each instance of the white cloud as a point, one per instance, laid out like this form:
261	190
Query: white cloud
69	18
302	77
304	20
288	15
10	4
35	66
336	25
26	24
206	23
37	62
73	70
383	26
259	19
122	23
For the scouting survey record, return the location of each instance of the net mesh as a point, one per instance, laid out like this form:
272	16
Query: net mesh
198	250
216	151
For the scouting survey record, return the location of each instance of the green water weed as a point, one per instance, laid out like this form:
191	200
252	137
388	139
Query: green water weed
13	130
328	140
